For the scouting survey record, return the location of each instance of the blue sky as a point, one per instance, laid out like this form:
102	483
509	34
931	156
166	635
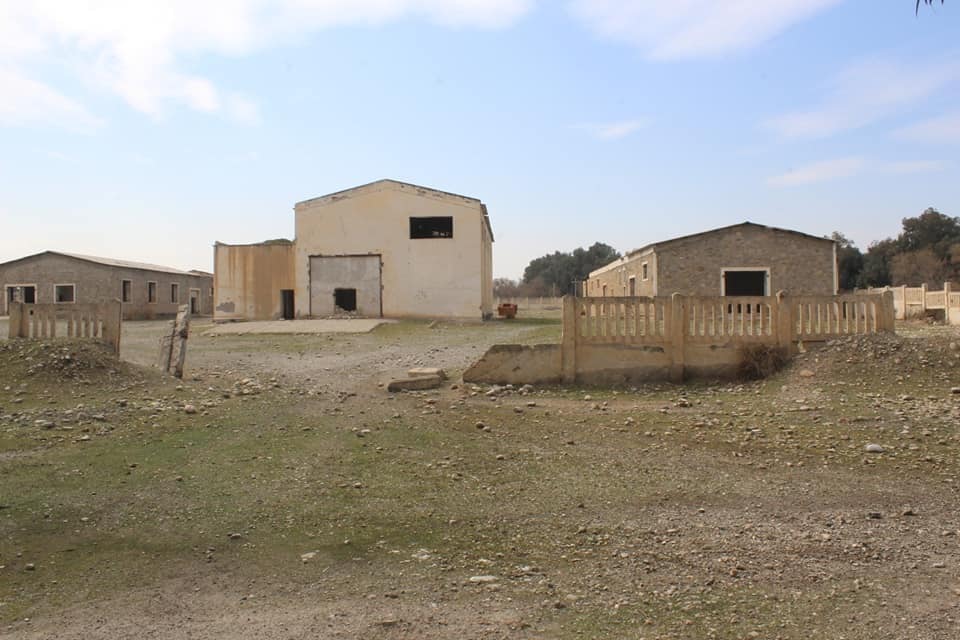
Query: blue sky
147	130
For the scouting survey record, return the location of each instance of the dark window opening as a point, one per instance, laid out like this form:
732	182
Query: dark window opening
151	292
286	301
30	295
744	283
125	286
174	292
345	299
438	227
64	293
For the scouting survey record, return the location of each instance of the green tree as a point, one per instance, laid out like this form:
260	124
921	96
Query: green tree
849	261
876	264
930	230
554	273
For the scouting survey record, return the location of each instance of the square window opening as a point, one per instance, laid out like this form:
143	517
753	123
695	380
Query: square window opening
435	227
65	293
345	299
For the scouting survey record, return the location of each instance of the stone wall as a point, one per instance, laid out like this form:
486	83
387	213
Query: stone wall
798	264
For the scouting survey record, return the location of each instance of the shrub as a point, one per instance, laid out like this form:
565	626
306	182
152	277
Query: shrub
761	360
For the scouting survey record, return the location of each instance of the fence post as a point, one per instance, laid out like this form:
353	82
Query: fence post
568	340
784	322
923	300
889	312
946	302
679	325
15	321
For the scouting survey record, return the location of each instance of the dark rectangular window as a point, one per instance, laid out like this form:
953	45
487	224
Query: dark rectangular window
151	292
437	227
174	292
65	293
125	286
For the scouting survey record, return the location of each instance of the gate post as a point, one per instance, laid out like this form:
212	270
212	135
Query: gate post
784	320
568	341
15	321
946	302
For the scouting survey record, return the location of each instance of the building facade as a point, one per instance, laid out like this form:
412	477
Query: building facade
745	259
146	291
385	249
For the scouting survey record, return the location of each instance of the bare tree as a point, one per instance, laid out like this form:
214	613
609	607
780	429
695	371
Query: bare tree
928	2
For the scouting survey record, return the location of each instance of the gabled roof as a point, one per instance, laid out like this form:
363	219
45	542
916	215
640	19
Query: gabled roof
727	228
388	183
110	262
654	245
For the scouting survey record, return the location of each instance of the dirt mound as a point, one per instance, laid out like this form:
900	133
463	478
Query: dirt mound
895	355
61	359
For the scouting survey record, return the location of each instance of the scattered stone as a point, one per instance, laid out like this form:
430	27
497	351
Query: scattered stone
415	384
308	556
955	390
873	448
189	409
419	372
234	536
806	373
483	579
32	567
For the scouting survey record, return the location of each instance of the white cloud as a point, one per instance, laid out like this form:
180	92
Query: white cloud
614	130
864	93
677	29
24	101
819	172
138	49
943	129
912	166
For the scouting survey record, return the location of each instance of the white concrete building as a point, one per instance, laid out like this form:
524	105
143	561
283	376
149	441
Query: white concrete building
387	249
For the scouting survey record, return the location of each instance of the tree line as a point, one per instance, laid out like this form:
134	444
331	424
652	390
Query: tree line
927	251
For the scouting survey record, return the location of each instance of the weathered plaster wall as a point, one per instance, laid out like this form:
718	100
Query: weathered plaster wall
249	278
517	364
616	276
798	264
98	283
428	277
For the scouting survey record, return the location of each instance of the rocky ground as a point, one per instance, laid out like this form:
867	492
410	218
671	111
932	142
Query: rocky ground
280	491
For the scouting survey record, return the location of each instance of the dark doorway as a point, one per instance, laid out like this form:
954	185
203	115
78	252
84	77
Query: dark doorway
744	283
286	301
345	299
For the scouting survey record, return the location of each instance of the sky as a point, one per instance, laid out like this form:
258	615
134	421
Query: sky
149	130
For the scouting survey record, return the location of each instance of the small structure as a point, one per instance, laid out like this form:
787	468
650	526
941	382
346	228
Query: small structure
145	290
745	259
384	249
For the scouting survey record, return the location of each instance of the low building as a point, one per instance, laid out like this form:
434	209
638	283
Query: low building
745	259
387	249
146	290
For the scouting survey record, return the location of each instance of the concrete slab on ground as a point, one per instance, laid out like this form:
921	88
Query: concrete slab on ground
351	325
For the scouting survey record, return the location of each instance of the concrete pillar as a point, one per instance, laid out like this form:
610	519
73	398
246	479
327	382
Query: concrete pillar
568	340
15	321
923	300
679	325
784	319
889	312
946	302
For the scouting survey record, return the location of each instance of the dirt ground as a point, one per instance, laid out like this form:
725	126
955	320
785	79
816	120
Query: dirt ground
279	491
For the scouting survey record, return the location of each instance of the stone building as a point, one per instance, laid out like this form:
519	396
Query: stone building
745	259
387	249
146	290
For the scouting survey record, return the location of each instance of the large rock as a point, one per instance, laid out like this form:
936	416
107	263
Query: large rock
415	384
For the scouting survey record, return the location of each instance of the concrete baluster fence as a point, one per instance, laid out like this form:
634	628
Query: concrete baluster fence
97	321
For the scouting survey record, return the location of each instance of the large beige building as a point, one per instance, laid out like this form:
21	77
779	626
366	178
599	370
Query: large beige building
744	259
387	248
